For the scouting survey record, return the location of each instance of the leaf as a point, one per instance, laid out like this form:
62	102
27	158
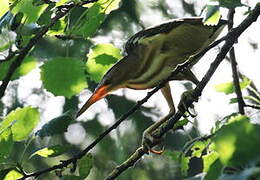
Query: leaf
27	66
208	160
6	144
212	15
173	155
4	4
26	120
31	12
85	165
70	177
214	171
45	17
55	126
198	148
51	151
230	3
63	76
180	124
185	165
228	87
109	5
100	59
13	175
236	141
91	19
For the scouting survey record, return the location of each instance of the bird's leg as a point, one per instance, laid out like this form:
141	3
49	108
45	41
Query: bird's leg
186	96
148	140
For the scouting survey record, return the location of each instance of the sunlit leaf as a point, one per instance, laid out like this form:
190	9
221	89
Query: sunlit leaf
13	175
184	165
4	4
109	5
51	151
212	15
198	147
31	12
25	119
6	143
100	59
57	125
85	165
228	87
236	141
180	124
63	76
208	160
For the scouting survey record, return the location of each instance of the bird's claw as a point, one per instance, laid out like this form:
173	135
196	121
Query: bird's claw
186	99
149	141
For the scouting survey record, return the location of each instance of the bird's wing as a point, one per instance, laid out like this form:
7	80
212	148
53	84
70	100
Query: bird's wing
162	28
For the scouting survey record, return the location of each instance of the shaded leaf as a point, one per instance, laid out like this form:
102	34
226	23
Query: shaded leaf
26	120
85	165
180	124
230	3
214	171
6	143
63	76
100	59
55	126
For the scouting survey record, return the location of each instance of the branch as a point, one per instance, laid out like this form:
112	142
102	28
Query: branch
61	12
237	87
232	37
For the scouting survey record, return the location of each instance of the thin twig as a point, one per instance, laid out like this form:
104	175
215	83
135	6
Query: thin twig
232	37
232	55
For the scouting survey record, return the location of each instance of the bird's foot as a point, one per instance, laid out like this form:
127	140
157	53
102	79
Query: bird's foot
186	101
149	141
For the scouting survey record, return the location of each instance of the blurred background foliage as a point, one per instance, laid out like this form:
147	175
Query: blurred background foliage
73	56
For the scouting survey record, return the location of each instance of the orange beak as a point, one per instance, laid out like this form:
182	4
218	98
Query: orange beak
98	94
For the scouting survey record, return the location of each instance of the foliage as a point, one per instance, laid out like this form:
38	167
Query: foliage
70	58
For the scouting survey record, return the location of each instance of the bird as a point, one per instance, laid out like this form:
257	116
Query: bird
153	53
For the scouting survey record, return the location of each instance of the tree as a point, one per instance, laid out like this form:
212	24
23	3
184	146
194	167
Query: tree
55	48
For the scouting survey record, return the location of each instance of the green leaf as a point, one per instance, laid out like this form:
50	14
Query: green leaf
109	5
4	4
51	151
26	120
236	141
57	28
31	12
6	143
63	76
45	17
173	155
230	3
212	15
214	171
89	22
180	124
55	126
208	160
27	66
100	59
85	165
198	148
13	175
184	164
228	87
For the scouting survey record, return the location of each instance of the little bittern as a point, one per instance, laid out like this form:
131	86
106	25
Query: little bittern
152	55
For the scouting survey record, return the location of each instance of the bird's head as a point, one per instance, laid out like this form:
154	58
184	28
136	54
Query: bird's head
114	79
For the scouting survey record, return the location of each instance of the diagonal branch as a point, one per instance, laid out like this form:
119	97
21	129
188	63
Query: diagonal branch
232	37
61	12
232	55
